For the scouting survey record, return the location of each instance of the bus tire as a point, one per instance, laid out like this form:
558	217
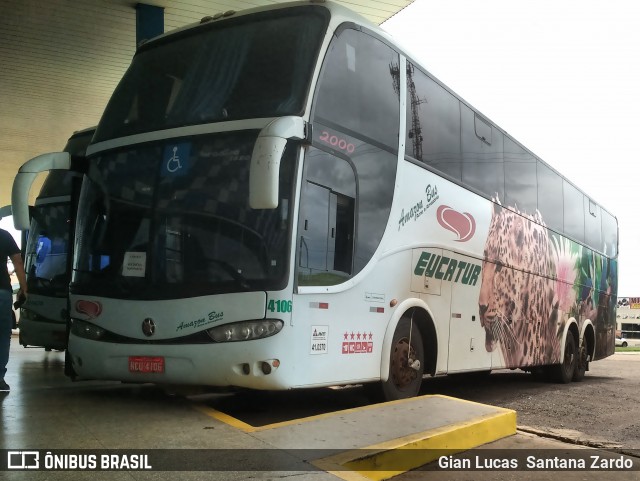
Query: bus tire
406	363
563	372
581	363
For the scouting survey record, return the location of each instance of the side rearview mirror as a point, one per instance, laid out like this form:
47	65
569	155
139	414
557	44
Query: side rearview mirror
24	179
267	153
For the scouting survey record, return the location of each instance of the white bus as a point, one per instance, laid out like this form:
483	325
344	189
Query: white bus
283	198
43	318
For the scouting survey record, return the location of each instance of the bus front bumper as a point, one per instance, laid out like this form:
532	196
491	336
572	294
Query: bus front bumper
250	364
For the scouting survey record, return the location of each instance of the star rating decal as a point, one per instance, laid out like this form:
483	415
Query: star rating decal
358	342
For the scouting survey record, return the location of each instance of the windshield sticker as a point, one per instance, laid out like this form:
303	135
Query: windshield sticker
134	264
212	317
319	335
175	160
227	155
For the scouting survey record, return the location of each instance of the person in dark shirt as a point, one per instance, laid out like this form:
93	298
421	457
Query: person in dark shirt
8	249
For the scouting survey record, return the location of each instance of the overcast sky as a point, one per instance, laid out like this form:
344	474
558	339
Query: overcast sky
561	76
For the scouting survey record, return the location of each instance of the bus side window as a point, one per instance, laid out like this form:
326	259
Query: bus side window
482	162
521	187
327	221
609	234
592	224
550	197
433	124
573	212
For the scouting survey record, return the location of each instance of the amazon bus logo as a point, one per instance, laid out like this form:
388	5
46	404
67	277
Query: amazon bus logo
461	224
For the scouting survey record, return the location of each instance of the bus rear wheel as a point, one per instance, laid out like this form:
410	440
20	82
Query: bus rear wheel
582	362
563	372
406	363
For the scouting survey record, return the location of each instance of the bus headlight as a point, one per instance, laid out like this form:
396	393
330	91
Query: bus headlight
246	330
86	330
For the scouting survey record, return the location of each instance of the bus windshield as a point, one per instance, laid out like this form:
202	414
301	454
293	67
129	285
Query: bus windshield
172	219
46	251
257	66
47	246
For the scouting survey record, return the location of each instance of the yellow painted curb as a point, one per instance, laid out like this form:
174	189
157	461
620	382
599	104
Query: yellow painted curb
397	456
391	458
248	428
225	418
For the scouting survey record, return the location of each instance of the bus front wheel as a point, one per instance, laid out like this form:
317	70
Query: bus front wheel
406	363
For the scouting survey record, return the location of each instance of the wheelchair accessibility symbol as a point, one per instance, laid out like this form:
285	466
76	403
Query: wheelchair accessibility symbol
173	163
176	159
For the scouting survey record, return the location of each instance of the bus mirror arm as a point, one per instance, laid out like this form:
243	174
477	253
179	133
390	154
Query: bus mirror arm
267	153
24	179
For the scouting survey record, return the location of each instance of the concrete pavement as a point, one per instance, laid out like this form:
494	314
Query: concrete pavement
46	411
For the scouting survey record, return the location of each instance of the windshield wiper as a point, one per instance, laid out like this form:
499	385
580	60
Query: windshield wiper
232	271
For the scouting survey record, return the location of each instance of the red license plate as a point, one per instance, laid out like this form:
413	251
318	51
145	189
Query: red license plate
146	364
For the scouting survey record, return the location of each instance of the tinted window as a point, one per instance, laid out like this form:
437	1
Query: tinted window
593	225
375	178
433	124
520	178
483	130
178	212
550	197
482	166
57	184
248	66
609	234
47	247
359	88
573	212
327	220
357	117
376	173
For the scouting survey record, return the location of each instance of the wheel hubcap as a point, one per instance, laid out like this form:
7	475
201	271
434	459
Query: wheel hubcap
402	360
569	356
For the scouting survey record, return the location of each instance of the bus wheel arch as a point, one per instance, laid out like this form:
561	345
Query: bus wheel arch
404	363
565	370
429	339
